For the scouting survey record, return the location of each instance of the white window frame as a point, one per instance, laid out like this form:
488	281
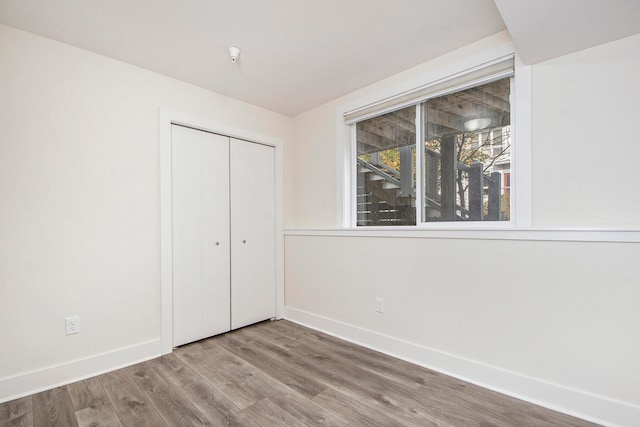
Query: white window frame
520	217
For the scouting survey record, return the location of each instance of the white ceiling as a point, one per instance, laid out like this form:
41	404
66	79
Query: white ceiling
297	54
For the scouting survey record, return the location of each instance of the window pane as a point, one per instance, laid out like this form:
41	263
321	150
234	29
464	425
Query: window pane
386	169
467	154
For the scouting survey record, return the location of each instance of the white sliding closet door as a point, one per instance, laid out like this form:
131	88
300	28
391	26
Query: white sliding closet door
252	233
201	247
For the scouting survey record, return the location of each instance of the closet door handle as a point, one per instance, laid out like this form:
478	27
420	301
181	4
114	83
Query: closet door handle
244	241
217	243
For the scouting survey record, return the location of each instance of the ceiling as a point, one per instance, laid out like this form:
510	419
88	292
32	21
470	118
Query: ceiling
298	54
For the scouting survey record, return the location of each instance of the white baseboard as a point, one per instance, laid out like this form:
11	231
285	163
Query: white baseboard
35	381
588	406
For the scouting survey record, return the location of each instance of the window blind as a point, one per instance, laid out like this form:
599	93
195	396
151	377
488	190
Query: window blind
481	74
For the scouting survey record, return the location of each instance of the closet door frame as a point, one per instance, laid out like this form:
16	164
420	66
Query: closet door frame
167	119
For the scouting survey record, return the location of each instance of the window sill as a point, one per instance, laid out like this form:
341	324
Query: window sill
627	235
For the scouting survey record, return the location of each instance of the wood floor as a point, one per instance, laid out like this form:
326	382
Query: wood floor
275	374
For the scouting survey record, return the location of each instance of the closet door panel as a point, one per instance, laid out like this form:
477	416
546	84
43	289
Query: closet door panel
216	252
187	231
252	233
200	183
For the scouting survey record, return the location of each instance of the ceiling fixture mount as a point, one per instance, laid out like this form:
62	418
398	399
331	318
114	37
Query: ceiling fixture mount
234	52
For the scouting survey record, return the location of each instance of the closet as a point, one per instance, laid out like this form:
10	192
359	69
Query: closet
223	233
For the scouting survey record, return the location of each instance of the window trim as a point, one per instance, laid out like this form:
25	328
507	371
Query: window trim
520	157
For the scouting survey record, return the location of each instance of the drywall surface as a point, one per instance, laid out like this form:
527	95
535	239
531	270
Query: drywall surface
585	149
79	199
315	168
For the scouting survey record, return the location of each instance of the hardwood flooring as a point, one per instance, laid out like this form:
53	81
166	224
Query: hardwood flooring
275	374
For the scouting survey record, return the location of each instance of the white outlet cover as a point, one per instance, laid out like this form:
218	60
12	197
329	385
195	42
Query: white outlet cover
72	325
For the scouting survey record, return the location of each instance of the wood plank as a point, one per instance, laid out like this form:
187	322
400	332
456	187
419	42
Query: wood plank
222	369
54	408
248	339
222	363
130	403
355	410
218	408
269	331
17	413
293	403
373	361
349	379
266	412
92	405
442	402
280	369
173	405
230	369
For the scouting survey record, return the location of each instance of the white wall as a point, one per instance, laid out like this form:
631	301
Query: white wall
79	205
538	317
586	150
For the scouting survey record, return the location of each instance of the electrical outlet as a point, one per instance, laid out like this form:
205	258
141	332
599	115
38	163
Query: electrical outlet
380	305
73	325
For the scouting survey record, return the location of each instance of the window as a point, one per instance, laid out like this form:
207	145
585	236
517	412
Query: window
440	154
386	189
467	150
